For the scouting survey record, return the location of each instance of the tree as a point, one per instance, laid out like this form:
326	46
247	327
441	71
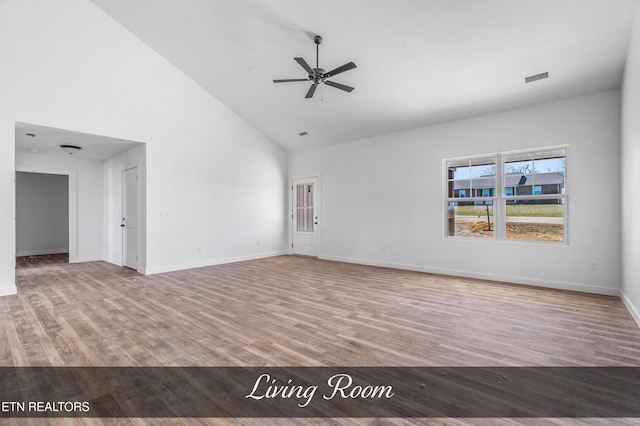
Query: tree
518	169
489	170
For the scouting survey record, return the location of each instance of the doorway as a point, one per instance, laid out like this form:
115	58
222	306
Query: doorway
130	218
305	216
24	229
42	214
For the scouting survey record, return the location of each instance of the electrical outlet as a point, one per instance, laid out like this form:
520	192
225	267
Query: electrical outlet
200	249
593	265
258	243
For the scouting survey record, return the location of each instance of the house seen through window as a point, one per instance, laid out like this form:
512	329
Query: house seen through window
512	196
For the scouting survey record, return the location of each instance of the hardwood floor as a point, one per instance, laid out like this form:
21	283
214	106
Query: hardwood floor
298	311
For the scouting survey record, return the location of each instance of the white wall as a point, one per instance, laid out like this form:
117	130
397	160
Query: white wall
630	177
42	213
221	182
7	208
87	187
388	192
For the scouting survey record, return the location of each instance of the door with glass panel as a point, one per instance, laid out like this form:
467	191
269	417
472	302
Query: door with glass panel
305	216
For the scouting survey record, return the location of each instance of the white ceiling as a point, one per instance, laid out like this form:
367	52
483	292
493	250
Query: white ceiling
47	140
419	61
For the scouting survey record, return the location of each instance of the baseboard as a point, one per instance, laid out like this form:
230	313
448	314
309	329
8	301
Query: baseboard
8	291
559	285
41	252
86	259
202	264
633	310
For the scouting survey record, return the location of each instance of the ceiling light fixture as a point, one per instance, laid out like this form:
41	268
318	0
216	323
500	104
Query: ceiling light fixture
536	77
70	149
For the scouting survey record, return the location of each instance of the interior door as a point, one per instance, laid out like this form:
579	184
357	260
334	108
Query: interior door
305	216
130	226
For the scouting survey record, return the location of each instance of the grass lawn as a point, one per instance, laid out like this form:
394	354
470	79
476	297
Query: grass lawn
523	210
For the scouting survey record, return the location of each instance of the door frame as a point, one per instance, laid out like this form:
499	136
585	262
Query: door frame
73	204
122	205
317	209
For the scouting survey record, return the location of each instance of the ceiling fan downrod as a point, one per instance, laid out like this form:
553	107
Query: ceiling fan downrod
317	40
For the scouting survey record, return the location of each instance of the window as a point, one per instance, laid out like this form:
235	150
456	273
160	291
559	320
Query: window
476	177
304	207
532	198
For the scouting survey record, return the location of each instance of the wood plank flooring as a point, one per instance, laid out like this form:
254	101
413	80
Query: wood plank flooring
298	311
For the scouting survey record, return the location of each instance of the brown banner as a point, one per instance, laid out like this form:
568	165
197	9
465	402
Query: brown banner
606	392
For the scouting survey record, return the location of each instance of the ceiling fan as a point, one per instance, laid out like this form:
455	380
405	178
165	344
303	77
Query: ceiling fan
318	75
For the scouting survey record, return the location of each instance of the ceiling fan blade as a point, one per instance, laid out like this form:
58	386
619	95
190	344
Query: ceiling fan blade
290	79
311	91
345	67
304	65
339	86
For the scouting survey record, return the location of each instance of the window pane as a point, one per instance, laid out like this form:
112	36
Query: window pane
470	219
300	195
472	179
535	219
300	226
308	189
549	175
518	167
309	219
535	173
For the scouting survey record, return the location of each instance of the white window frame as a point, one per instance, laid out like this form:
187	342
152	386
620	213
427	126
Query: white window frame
500	197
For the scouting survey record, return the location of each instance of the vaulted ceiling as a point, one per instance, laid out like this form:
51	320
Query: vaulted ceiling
419	62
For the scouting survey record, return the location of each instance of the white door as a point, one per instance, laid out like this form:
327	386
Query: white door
305	215
130	226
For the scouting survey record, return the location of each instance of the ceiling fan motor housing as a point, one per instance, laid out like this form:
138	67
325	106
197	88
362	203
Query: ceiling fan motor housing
318	75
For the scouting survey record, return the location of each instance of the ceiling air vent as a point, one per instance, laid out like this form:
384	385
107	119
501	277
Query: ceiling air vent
536	77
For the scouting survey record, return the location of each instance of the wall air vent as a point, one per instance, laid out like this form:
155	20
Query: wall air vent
536	77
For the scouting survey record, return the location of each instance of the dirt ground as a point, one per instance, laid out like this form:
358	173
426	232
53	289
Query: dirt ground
515	231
